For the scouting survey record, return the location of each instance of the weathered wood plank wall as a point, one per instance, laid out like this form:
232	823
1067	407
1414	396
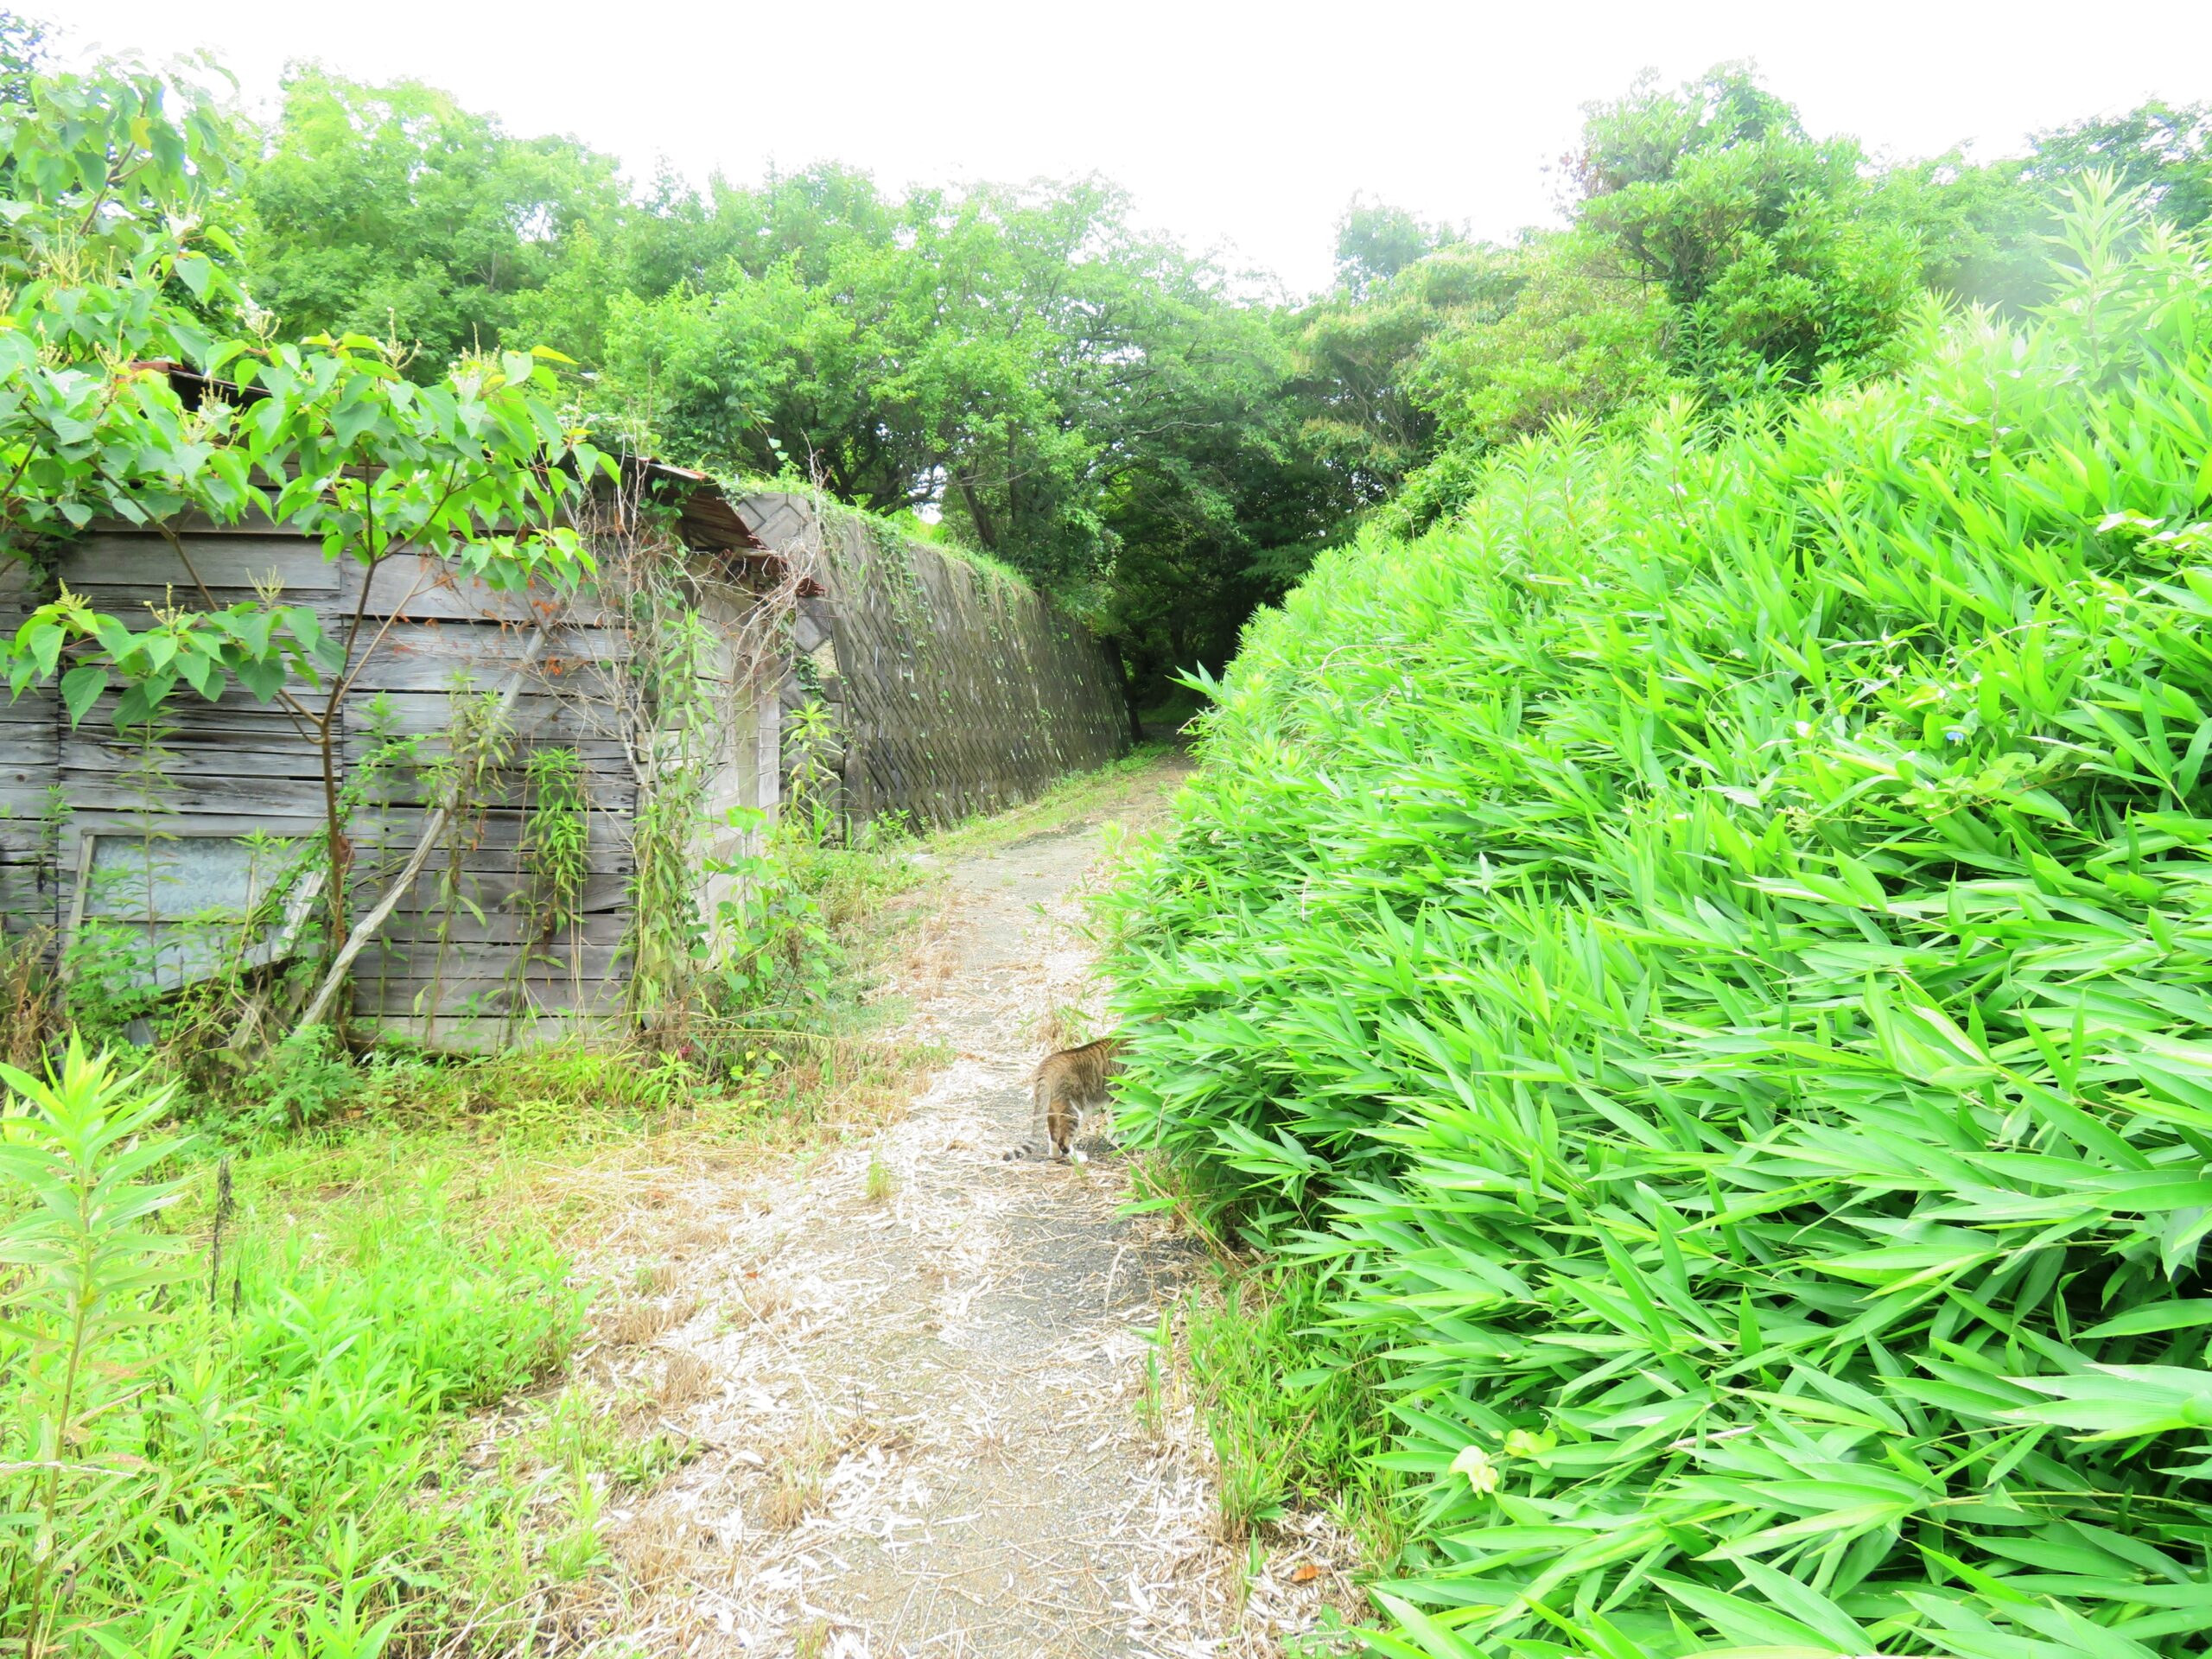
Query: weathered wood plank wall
30	761
462	962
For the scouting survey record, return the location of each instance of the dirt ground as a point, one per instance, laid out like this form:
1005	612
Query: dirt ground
917	1371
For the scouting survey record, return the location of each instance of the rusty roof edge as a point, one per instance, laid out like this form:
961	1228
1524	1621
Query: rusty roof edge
705	512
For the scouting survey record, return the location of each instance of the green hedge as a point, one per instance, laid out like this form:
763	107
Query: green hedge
1715	949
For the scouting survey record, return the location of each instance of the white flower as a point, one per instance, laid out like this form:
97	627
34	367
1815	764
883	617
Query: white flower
1474	1463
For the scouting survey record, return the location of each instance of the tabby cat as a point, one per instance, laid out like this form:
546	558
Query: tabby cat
1070	1082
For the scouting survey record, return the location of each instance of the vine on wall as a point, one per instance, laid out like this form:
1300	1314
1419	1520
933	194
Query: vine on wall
552	857
680	697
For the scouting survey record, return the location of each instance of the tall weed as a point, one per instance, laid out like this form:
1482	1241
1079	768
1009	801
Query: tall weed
89	1269
241	1451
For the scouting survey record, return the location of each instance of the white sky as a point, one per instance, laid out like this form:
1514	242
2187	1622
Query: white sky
1239	128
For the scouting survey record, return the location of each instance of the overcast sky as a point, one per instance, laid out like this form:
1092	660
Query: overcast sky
1239	128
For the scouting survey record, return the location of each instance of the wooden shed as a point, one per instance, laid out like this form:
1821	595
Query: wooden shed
156	844
552	793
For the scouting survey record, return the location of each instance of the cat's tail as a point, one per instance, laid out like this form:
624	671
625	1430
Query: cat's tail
1029	1149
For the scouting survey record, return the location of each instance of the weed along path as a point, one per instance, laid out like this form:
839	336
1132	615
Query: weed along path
913	1371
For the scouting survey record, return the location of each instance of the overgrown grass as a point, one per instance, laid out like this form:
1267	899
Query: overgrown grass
852	885
370	1247
244	1447
1075	798
1285	1431
298	1400
1711	952
995	571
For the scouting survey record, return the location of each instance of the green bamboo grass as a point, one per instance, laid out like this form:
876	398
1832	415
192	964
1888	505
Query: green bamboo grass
1714	953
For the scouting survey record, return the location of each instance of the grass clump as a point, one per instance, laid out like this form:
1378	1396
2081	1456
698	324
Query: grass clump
1286	1429
1714	950
219	1439
881	1181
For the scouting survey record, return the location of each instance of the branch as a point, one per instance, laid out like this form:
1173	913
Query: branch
295	711
376	562
433	827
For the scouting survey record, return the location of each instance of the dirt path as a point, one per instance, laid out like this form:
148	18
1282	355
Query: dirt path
919	1369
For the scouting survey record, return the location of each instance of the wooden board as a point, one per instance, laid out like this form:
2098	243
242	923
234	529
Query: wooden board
422	590
411	933
187	717
605	761
98	750
460	1033
487	984
119	570
30	726
255	799
498	832
497	889
424	657
541	718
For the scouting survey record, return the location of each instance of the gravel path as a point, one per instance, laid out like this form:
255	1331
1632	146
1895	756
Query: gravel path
920	1369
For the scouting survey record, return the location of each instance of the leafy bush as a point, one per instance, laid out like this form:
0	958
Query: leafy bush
1714	949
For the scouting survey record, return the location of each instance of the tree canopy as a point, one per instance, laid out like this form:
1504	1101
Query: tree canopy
1120	419
1716	252
391	210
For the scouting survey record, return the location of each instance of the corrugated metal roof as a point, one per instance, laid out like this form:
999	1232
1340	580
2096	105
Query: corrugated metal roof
705	516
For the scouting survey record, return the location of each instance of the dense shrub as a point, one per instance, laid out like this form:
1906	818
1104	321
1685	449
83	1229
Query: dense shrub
1715	948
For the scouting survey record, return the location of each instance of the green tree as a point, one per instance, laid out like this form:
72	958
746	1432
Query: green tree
1566	338
1214	499
22	54
1982	229
2164	150
1987	227
392	211
758	375
1023	360
675	239
1376	241
112	257
1778	254
1564	335
1360	349
1718	251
